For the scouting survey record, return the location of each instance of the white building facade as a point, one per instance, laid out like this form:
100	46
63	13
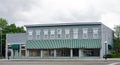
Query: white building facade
68	40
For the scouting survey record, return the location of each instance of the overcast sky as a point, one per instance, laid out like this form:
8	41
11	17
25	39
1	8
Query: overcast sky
22	12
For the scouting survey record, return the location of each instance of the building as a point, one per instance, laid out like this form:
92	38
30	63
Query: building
65	40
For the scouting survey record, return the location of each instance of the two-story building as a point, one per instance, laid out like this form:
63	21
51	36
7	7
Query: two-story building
65	40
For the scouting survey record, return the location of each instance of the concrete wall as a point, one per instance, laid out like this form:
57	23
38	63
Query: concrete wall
80	33
16	38
107	35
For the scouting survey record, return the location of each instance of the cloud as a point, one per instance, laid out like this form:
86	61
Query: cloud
10	9
24	12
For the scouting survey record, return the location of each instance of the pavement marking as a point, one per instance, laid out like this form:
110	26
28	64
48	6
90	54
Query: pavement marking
114	63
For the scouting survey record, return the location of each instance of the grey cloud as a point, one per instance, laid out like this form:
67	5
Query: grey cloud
10	8
44	11
90	14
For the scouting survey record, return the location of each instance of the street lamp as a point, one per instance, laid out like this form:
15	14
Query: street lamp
105	49
1	42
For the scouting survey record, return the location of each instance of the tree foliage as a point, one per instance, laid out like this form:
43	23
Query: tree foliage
3	23
12	28
117	39
117	31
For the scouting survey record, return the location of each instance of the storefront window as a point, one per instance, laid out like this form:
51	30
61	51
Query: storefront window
48	52
34	52
91	52
22	52
63	52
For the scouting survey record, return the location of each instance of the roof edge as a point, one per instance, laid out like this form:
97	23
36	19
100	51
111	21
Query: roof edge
61	24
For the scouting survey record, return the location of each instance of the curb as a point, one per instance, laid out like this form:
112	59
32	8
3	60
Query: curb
58	59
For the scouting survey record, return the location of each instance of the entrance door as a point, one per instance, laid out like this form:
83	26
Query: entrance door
75	52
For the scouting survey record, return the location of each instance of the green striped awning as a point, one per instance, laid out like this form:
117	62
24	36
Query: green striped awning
15	46
110	47
50	44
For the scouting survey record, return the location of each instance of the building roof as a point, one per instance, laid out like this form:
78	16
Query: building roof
63	24
16	38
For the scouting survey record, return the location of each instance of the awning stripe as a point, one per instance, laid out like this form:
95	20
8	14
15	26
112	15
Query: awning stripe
50	44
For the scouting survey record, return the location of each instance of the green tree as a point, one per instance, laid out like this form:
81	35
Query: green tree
12	28
117	31
117	39
3	23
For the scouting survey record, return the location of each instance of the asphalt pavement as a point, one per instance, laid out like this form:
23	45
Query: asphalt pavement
60	62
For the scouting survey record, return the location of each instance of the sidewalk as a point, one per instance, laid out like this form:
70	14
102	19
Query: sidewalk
58	59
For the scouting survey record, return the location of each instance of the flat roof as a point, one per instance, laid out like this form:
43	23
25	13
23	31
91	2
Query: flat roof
62	24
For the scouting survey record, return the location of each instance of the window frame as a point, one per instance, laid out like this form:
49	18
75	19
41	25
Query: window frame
75	33
38	34
52	33
95	33
67	33
60	33
85	33
45	34
30	34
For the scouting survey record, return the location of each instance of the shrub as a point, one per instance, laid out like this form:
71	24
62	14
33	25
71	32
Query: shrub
115	55
107	56
112	55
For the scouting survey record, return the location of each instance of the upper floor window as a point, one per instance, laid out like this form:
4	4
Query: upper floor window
95	33
46	34
75	33
37	34
59	33
67	33
52	33
30	34
85	33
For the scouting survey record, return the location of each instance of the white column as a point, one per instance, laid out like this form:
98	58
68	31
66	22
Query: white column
6	53
41	54
71	53
27	52
80	53
102	53
12	53
54	53
16	53
20	50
